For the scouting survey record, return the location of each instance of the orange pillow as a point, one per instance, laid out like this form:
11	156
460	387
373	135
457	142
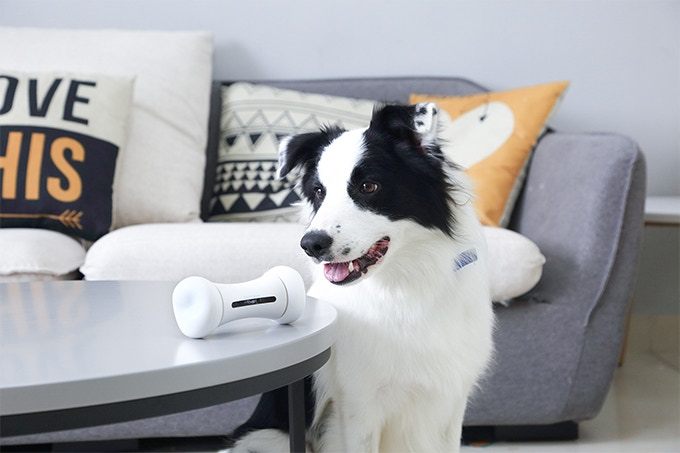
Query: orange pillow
492	135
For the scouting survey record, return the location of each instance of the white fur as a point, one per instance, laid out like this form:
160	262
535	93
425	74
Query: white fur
263	440
413	340
414	336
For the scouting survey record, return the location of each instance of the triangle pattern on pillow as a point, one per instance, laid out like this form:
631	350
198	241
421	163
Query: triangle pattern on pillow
255	120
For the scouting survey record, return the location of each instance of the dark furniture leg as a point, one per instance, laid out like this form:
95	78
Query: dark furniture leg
296	416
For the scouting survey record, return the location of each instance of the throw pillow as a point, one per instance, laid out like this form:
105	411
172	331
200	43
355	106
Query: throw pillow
254	119
515	263
160	172
492	135
60	135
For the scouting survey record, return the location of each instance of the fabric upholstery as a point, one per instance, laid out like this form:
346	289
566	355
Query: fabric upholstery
212	421
515	263
492	135
35	254
235	252
557	347
222	252
159	176
255	119
389	89
72	135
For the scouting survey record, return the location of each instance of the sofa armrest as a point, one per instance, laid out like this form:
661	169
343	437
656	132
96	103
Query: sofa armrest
580	193
557	347
583	205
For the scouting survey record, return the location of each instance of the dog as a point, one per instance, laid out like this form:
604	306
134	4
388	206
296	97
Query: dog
400	254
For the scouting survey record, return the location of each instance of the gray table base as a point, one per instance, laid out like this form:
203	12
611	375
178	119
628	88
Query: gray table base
80	417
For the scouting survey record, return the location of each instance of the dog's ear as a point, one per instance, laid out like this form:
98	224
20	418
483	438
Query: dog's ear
289	156
296	150
418	124
426	121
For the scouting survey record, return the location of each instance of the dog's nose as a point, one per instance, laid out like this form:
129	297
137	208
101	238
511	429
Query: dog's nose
316	243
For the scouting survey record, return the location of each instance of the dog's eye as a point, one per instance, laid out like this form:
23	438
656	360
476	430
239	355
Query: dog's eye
369	187
319	192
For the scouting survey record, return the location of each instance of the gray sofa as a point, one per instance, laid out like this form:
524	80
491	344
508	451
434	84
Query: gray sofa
557	347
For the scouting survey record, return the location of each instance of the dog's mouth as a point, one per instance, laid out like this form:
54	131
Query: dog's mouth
348	271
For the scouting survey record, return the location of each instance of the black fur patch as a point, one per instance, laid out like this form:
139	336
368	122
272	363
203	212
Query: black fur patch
413	181
304	150
312	188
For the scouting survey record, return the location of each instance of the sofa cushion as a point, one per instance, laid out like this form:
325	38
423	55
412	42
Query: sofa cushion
233	252
515	263
159	177
60	135
33	254
223	252
492	135
254	119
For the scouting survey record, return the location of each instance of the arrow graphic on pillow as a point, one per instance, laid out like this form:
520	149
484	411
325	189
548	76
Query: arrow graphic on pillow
69	218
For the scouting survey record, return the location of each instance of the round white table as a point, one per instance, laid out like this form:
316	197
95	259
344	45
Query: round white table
76	354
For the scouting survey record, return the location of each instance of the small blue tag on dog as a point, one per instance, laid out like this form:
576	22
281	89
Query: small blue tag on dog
465	258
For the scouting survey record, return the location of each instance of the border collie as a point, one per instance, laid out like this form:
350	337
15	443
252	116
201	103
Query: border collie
401	256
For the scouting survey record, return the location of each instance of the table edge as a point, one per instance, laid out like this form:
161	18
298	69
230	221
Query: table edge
154	406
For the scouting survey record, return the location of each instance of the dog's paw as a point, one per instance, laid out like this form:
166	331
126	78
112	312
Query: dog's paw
262	441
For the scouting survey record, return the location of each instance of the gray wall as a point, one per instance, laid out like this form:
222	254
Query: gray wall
622	57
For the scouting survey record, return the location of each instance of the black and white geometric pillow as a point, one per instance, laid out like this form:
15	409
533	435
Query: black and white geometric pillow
254	119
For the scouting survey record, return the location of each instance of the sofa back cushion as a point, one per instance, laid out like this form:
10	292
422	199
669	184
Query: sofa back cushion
159	176
492	136
384	89
255	118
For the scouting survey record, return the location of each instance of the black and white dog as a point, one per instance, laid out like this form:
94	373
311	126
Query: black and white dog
400	254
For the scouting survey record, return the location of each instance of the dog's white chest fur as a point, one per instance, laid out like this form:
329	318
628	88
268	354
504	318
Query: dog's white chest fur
412	341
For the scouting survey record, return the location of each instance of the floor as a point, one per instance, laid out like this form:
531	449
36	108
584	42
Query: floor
641	414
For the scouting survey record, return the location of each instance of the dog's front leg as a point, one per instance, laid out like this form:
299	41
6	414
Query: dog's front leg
425	425
361	435
452	438
350	430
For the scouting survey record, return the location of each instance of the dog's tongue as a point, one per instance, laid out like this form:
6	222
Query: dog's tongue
336	272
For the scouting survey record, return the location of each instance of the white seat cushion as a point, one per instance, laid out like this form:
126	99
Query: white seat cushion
33	254
233	252
226	252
